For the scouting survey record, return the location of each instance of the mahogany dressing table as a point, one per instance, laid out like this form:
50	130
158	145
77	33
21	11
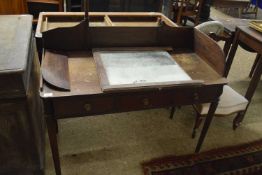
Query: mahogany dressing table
71	84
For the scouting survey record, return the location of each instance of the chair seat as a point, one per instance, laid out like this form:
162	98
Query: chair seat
211	27
230	102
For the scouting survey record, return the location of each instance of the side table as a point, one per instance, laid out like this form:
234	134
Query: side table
252	39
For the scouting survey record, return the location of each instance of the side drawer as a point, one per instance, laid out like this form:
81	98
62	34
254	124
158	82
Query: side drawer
207	94
80	106
197	95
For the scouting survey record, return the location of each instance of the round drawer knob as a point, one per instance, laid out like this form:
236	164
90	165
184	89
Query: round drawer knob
145	101
87	107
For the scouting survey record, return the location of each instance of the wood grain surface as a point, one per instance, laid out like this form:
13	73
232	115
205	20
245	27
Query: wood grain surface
8	7
55	70
52	20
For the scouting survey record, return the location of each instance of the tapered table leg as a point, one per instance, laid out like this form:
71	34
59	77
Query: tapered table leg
52	130
254	65
250	91
231	54
56	126
208	120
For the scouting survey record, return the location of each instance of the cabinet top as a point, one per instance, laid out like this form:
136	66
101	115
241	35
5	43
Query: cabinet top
15	36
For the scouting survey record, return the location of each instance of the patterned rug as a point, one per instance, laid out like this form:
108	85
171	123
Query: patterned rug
244	159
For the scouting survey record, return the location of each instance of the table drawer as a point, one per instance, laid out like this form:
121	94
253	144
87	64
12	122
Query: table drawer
94	105
158	99
144	101
80	106
207	94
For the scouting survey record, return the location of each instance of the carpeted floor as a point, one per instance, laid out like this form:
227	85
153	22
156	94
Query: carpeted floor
117	144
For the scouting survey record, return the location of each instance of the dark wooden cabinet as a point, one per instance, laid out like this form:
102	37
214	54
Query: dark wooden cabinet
37	6
21	121
116	5
13	7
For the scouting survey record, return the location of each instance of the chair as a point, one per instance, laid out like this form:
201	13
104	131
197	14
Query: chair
230	101
187	10
215	30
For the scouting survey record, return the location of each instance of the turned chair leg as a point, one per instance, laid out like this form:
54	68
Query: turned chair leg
198	122
184	21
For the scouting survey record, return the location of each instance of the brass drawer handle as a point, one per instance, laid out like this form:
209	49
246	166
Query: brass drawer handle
196	96
87	107
146	101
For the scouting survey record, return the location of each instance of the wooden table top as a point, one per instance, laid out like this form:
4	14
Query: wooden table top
230	24
256	35
84	78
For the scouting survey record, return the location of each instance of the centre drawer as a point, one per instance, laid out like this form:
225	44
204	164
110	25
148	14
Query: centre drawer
132	102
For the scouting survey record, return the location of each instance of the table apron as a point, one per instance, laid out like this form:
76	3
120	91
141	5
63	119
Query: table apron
78	106
245	38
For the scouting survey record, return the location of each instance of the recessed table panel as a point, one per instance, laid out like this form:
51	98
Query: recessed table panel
138	68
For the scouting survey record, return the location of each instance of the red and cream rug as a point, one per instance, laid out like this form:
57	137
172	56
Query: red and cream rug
244	159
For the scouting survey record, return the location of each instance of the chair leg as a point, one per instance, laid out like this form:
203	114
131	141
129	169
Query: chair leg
198	122
173	110
185	21
238	119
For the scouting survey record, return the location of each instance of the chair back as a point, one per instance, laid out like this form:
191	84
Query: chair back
187	9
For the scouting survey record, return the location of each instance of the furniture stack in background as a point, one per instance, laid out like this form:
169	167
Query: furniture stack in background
13	7
21	119
74	6
237	8
187	10
258	2
33	7
37	6
116	5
